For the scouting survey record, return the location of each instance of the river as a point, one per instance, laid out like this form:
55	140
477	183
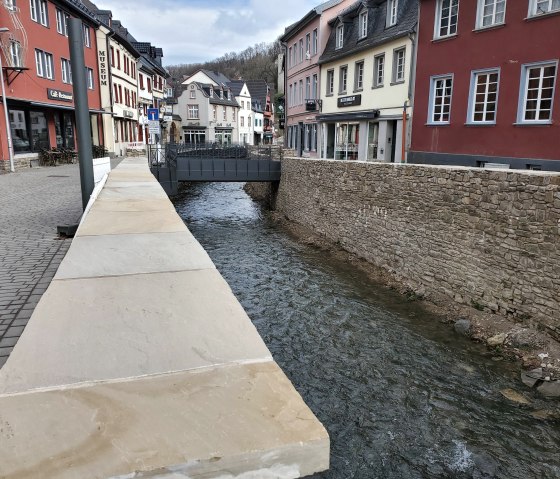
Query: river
401	395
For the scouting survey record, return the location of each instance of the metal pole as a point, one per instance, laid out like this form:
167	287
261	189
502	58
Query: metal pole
5	105
83	123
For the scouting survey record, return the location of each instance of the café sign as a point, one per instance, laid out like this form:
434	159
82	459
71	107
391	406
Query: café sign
353	100
59	95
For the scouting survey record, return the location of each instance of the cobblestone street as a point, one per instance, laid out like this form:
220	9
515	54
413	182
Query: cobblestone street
33	203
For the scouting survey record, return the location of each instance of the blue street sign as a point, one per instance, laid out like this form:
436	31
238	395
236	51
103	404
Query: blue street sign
153	114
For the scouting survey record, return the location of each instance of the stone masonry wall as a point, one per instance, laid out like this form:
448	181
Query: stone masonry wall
488	238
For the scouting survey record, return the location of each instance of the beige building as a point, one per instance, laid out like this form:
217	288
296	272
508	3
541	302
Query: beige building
366	88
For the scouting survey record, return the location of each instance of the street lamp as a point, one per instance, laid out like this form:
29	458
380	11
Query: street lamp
5	104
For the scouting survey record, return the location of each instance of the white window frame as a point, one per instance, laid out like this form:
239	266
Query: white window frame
431	104
301	92
290	57
87	38
315	38
39	12
225	113
62	22
392	10
89	78
378	67
193	112
480	13
314	86
399	68
308	44
339	36
193	95
343	79
439	12
534	5
330	83
522	104
475	74
44	64
301	56
16	53
363	23
66	71
359	75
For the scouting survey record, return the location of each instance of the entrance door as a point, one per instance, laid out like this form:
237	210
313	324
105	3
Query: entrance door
300	139
392	134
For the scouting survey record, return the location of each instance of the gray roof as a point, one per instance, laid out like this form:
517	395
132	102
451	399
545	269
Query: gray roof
312	14
236	86
215	97
218	77
377	34
258	90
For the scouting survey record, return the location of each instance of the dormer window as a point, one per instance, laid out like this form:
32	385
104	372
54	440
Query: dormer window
211	92
392	8
339	36
221	94
363	24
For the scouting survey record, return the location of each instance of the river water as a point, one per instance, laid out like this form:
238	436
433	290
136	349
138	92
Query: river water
400	394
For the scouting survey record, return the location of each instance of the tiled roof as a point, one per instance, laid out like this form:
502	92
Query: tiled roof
236	86
215	97
313	13
258	90
378	33
218	77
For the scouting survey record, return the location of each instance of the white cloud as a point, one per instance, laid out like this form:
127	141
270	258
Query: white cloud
193	31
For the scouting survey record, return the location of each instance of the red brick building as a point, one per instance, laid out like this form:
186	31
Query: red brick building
486	84
38	79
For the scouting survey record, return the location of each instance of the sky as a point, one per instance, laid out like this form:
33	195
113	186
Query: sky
192	31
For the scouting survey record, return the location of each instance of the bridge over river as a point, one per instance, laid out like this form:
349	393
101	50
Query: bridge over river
174	163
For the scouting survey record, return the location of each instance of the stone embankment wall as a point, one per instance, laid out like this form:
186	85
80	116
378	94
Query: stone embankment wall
486	238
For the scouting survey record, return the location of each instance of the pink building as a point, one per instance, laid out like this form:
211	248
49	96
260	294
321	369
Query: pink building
303	43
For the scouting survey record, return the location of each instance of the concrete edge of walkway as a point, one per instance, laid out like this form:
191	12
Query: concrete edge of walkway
140	362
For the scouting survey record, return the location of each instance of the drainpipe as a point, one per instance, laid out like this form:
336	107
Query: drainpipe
411	86
285	47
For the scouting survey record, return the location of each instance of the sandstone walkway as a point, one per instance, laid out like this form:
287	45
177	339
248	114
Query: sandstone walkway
33	203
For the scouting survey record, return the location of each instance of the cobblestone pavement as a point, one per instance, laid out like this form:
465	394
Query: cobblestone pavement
32	204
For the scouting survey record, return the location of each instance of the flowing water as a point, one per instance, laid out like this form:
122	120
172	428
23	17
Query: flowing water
401	394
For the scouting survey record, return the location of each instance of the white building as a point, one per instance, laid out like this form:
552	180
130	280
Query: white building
245	118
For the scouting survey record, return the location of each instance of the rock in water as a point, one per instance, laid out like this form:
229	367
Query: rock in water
463	326
515	397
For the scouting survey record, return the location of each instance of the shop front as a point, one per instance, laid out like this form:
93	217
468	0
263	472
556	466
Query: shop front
223	136
194	136
350	136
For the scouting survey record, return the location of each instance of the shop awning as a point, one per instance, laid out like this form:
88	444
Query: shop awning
355	116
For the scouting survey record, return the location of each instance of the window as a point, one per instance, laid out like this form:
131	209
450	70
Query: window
490	12
10	4
112	57
290	96
339	36
61	22
379	70
15	54
343	79
483	98
192	112
363	25
44	64
193	94
308	45
116	93
540	7
301	92
359	76
39	11
398	65
89	78
242	120
149	80
66	71
211	92
314	87
87	39
215	112
29	130
295	55
446	18
290	57
225	113
307	88
440	99
314	52
537	92
392	9
300	50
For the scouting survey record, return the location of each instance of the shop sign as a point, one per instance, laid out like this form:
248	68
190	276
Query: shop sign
153	127
128	114
59	95
353	100
103	78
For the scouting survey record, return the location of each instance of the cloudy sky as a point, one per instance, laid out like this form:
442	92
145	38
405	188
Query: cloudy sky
199	30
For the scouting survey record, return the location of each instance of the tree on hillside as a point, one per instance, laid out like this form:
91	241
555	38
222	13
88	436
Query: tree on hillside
256	62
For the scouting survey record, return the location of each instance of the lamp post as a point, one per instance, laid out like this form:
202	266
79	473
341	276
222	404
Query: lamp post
5	105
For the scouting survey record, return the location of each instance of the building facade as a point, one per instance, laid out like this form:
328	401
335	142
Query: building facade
208	110
38	78
261	91
499	104
366	71
245	124
303	43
